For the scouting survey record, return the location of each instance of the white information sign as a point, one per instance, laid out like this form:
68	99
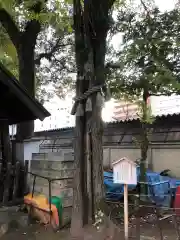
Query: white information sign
124	171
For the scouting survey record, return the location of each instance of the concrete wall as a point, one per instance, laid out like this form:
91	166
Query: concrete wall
166	157
61	165
31	147
113	153
51	153
25	149
160	156
118	142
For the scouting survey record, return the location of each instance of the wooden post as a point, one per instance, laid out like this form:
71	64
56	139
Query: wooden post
16	181
1	181
124	172
126	211
13	144
7	183
25	177
6	143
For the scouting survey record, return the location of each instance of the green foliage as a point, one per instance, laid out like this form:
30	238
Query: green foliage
148	64
149	55
10	64
8	54
54	56
9	5
145	113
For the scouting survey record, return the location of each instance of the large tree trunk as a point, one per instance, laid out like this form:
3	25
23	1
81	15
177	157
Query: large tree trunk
101	27
97	23
24	43
90	41
79	194
80	201
26	78
78	197
27	71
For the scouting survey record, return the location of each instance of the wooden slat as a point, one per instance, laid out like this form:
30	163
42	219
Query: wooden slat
26	168
16	180
5	142
1	179
7	183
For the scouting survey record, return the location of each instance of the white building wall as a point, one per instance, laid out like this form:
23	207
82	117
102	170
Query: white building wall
31	147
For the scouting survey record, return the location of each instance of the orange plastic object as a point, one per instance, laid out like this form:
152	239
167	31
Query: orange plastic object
36	199
41	209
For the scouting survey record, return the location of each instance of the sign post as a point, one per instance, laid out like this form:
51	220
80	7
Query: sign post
126	221
124	172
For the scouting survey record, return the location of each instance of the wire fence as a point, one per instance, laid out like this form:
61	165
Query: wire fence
148	218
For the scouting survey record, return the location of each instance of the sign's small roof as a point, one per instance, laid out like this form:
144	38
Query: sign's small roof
124	159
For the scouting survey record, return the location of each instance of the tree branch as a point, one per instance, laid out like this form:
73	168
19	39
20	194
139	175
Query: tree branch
31	32
110	4
146	9
113	65
50	53
38	6
10	27
33	27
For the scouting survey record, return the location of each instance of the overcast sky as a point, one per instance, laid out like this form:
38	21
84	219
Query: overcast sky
166	4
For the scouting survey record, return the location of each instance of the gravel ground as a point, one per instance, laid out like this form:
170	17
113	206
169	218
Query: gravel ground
148	228
37	232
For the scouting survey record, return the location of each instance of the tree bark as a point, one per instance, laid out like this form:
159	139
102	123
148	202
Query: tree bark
98	17
24	43
27	70
91	28
144	144
79	194
77	222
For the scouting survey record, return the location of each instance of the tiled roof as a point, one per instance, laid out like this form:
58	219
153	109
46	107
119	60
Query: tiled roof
115	123
125	111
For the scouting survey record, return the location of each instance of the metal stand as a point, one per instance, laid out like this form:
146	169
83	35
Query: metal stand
50	180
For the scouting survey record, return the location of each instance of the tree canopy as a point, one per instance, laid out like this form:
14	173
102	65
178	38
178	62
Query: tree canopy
148	57
147	63
53	39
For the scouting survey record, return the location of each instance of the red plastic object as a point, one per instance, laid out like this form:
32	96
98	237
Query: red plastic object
177	201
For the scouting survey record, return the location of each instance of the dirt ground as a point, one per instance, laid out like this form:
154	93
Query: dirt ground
149	231
36	232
